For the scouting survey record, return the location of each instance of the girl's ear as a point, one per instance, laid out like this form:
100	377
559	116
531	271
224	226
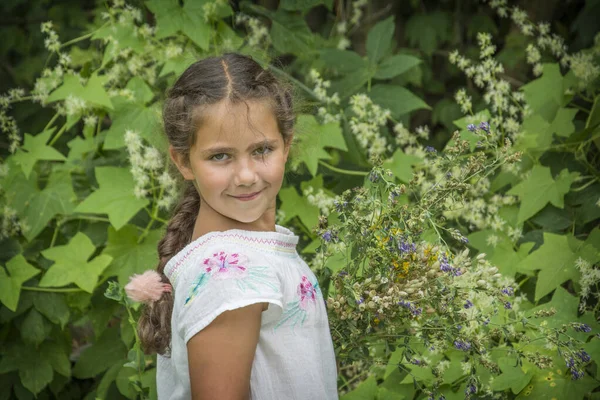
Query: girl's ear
181	164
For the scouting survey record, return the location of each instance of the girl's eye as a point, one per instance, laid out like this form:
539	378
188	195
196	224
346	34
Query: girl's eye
263	150
219	157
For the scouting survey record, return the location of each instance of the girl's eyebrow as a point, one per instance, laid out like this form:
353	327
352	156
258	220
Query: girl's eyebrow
219	150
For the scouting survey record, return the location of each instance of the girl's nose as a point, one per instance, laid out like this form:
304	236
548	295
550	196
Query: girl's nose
245	174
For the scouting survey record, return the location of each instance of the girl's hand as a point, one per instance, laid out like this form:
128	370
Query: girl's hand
220	356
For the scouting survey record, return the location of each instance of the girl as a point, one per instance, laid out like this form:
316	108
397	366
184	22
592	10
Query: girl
243	316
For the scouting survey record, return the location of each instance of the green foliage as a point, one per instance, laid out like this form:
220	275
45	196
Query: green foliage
75	220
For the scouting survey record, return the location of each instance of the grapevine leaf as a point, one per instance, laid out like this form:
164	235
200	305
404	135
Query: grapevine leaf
397	99
556	261
101	355
294	205
129	257
513	377
93	92
34	329
535	138
137	117
194	24
562	124
313	138
53	307
56	198
19	271
539	189
35	370
115	196
500	251
366	390
168	16
401	165
379	39
71	264
58	357
34	148
396	65
545	95
428	31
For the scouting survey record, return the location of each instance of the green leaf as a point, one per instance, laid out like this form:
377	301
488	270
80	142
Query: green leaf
352	82
312	138
19	271
93	92
114	197
104	353
80	147
562	124
513	377
53	307
343	61
556	262
428	31
195	25
58	357
304	5
539	189
137	117
290	34
129	256
34	329
397	99
401	165
396	65
168	16
56	199
34	148
366	390
35	372
71	264
294	205
108	378
502	254
379	39
545	95
536	137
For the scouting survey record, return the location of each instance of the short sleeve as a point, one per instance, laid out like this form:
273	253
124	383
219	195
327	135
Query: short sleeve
222	280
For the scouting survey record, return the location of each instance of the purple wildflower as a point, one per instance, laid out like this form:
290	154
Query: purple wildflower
583	356
471	389
507	305
468	304
430	149
576	374
472	127
462	345
326	236
509	291
360	301
582	327
484	126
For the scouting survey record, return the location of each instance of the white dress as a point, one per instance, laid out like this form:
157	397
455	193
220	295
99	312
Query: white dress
223	271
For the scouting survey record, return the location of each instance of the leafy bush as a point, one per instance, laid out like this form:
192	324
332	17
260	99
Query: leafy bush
456	264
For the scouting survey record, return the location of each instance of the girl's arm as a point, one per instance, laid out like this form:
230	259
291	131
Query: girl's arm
220	356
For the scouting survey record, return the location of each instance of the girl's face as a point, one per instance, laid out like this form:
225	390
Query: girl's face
238	163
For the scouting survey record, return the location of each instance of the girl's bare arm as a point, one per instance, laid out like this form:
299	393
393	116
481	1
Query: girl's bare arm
220	356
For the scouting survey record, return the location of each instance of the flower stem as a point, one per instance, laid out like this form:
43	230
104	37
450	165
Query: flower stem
343	171
51	290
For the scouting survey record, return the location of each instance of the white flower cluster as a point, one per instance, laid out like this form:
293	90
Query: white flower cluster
8	124
583	66
210	9
357	12
172	50
11	225
320	199
51	42
405	138
590	277
258	33
320	91
146	163
74	105
366	122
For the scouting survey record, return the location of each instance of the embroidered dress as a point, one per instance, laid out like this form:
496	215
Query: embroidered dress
222	271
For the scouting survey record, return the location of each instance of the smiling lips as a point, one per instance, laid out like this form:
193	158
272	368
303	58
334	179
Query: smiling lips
247	197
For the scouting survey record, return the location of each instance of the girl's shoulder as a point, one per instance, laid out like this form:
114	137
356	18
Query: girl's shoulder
233	243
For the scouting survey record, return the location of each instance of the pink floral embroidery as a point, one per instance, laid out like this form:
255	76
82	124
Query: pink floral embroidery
225	266
307	293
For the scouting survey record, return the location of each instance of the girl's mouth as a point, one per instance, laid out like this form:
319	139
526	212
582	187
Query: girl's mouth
248	197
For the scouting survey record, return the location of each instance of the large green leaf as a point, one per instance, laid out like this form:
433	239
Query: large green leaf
562	124
34	148
71	264
364	391
397	99
343	61
35	370
93	92
545	95
539	189
18	271
294	205
57	198
556	261
379	39
129	256
53	306
402	164
114	197
312	138
34	328
290	34
142	119
513	377
396	65
502	254
103	354
428	31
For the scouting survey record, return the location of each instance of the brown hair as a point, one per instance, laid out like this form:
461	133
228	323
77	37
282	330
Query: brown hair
234	77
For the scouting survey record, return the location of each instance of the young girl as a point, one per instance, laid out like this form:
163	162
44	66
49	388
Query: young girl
243	316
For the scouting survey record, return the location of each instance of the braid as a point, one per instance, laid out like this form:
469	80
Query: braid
154	328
